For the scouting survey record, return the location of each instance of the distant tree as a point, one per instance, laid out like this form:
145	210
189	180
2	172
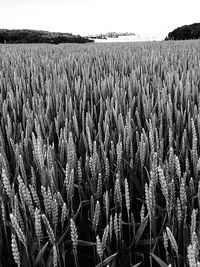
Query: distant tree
2	39
185	32
31	36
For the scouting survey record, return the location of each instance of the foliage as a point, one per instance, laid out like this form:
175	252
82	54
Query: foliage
186	32
33	36
111	35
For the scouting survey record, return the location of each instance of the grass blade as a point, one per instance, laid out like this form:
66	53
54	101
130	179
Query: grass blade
158	260
40	254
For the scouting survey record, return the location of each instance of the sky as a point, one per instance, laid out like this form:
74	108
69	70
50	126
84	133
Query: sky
85	17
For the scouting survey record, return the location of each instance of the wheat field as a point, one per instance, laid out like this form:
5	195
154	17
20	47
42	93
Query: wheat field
100	155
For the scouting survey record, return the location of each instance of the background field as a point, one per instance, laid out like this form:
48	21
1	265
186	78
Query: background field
99	154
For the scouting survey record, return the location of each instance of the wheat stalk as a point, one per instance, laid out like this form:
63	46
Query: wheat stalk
6	183
49	229
96	215
99	248
18	229
172	240
38	225
74	235
55	256
15	250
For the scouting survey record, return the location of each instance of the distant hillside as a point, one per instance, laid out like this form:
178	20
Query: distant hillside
110	35
185	32
33	36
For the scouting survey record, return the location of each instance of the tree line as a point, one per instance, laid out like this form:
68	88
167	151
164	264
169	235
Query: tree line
35	36
185	32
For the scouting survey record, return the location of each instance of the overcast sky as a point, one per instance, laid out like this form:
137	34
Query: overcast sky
146	17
